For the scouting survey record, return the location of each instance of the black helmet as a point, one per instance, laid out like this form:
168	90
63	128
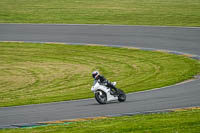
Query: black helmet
95	74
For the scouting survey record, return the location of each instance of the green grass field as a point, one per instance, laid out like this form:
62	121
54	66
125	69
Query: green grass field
125	12
174	122
41	73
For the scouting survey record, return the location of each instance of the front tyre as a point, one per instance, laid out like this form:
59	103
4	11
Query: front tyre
121	96
101	97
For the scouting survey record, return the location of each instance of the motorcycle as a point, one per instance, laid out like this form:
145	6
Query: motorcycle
104	94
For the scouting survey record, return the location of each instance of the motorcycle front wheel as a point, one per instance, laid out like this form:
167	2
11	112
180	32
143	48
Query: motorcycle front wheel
101	97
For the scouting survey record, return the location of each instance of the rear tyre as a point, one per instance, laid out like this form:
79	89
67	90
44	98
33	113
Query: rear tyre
121	96
101	97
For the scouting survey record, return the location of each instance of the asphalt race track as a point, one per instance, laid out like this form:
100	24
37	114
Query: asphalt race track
168	38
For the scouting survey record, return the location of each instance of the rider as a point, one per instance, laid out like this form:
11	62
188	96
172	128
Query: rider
100	79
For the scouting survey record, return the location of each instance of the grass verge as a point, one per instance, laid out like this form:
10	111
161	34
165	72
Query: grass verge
40	73
173	122
125	12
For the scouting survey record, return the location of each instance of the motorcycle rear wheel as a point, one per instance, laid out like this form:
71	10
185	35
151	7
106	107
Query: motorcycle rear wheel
121	96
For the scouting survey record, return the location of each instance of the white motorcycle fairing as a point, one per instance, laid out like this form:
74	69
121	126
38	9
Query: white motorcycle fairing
97	87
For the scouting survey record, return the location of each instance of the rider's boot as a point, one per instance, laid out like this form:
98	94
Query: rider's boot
114	92
112	87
